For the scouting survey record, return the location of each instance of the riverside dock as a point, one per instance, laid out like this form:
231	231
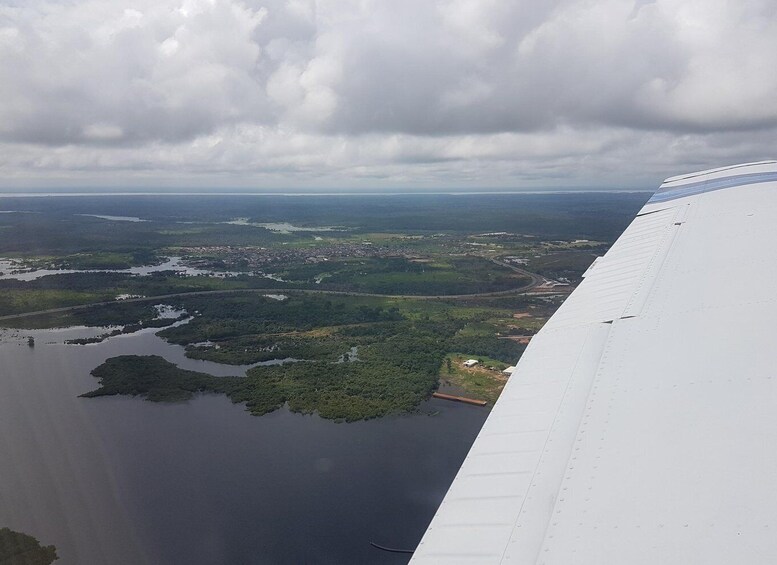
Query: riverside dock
459	399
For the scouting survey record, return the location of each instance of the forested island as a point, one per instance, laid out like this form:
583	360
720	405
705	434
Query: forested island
17	548
349	359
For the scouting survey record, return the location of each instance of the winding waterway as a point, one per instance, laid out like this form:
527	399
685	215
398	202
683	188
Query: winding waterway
123	481
10	270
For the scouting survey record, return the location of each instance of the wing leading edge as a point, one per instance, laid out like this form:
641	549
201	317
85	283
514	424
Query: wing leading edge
640	426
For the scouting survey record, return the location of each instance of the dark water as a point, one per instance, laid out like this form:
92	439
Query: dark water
123	481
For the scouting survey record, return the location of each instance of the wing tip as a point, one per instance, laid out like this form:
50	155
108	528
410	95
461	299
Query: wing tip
731	176
735	169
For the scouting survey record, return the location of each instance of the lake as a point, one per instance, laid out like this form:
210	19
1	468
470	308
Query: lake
124	481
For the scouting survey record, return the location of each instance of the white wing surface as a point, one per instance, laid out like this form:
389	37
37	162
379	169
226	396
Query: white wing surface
640	426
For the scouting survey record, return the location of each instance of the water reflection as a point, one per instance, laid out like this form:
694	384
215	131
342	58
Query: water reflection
133	219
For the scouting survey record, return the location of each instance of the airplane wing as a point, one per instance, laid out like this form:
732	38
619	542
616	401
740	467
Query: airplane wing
640	426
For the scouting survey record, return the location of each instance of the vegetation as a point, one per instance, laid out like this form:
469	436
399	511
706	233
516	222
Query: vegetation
106	260
17	301
483	381
56	291
230	316
126	329
54	226
340	391
143	314
395	275
424	246
386	244
21	549
563	264
399	346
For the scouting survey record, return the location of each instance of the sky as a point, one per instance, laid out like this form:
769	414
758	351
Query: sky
392	94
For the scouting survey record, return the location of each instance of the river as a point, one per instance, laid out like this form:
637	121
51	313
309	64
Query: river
124	481
11	270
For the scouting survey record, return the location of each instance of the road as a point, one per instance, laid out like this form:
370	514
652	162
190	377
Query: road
536	280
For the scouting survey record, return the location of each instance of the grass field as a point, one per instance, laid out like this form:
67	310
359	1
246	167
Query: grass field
484	381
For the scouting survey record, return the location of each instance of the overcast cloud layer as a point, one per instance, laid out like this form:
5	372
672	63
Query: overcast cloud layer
399	93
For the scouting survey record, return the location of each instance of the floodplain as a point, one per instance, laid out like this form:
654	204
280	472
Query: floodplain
322	319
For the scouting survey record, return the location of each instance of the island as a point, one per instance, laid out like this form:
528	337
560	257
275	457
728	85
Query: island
344	358
17	548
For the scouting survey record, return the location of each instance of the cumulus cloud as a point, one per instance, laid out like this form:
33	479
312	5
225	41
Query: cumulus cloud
327	93
153	71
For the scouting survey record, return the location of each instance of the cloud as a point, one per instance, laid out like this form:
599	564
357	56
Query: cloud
365	92
154	71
